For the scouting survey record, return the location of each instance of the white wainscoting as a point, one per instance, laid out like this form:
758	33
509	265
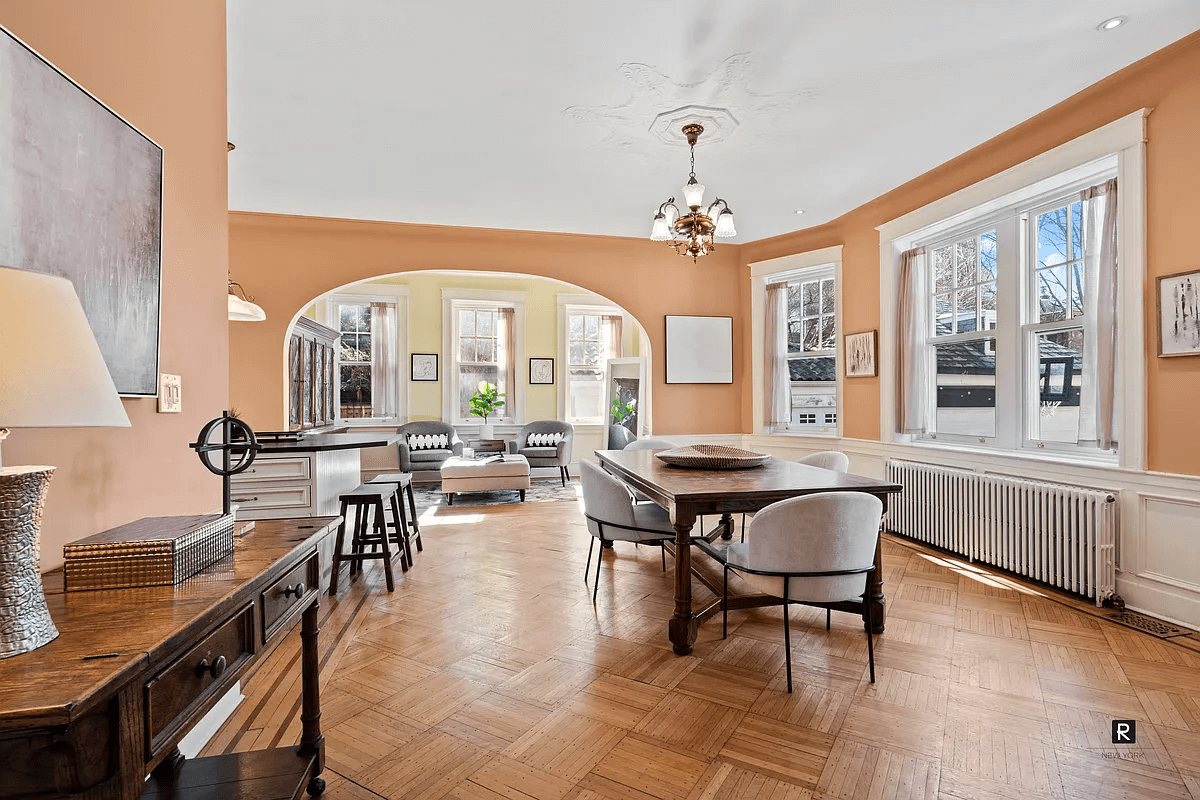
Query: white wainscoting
1159	545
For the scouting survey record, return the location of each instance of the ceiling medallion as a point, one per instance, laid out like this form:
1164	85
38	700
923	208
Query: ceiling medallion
722	101
691	234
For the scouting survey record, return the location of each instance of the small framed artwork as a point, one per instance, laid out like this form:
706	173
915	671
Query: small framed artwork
541	371
424	366
1178	306
860	354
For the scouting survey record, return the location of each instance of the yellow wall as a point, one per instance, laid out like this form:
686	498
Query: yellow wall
161	66
1167	82
424	331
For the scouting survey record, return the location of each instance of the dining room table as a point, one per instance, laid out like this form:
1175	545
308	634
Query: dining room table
688	494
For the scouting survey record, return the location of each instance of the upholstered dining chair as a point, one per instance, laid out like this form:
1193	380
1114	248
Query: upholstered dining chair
813	549
546	455
826	459
612	516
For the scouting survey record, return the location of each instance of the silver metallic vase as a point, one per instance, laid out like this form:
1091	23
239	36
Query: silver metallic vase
25	622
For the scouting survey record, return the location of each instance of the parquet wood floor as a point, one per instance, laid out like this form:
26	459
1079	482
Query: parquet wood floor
489	674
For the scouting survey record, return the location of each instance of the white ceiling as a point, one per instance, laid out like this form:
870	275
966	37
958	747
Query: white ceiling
537	114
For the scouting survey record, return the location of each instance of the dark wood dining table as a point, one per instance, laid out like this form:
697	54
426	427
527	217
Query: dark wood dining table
688	494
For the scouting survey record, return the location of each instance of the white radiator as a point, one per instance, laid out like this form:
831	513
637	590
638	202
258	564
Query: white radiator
1061	535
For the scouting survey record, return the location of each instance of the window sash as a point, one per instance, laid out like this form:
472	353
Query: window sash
506	382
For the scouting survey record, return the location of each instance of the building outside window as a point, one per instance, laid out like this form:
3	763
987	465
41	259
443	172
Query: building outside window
593	336
812	351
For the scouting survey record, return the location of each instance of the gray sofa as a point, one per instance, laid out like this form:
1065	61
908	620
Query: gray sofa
417	461
557	456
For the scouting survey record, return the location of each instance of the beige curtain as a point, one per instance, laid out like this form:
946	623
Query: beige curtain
508	377
914	406
385	383
612	336
1097	411
777	401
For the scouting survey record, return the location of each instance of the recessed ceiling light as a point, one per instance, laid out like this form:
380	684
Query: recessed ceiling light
1109	24
799	210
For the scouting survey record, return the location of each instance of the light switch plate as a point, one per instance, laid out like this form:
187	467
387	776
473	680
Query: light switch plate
170	394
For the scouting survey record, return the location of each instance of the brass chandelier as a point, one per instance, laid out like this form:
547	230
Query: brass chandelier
691	234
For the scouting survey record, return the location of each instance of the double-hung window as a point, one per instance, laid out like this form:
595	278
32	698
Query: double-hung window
812	351
1011	299
482	351
367	362
593	336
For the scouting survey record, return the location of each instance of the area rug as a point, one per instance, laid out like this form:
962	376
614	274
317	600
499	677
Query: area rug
429	495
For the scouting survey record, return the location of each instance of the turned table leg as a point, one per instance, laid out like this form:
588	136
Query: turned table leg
311	739
683	625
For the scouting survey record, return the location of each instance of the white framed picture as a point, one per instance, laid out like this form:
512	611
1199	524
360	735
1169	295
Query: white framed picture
699	349
1178	306
860	350
424	366
541	371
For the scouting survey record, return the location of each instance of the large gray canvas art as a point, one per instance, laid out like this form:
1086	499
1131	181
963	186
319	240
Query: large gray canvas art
81	197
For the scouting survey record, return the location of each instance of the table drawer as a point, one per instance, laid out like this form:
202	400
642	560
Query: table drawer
289	593
261	496
267	468
204	670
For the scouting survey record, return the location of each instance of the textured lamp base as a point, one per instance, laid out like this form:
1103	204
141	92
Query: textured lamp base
25	622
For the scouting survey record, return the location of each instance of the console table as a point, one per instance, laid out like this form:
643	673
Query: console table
91	714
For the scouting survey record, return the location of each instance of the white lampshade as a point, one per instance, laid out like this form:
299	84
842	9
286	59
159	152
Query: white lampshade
661	232
244	311
54	374
693	194
725	227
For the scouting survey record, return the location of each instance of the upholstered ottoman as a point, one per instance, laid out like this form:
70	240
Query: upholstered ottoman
467	475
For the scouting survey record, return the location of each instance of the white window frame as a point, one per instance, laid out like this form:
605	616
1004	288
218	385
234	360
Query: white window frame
514	400
788	268
591	310
1118	146
327	313
819	427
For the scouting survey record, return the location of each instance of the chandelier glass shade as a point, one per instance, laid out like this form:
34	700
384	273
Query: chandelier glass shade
691	232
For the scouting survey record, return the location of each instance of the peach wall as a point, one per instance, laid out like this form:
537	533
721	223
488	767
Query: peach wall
162	67
1169	83
286	261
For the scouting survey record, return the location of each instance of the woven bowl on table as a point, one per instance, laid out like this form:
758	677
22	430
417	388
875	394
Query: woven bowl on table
712	456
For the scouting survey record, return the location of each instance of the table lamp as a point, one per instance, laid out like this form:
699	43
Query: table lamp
52	375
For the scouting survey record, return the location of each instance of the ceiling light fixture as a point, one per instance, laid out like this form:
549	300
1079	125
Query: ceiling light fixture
799	210
243	309
692	234
1109	24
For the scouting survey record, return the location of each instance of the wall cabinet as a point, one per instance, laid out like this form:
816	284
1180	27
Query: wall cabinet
311	375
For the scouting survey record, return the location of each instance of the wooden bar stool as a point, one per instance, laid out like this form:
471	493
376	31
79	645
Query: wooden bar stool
367	501
403	482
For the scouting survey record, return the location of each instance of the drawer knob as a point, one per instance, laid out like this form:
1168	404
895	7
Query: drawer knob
216	669
293	591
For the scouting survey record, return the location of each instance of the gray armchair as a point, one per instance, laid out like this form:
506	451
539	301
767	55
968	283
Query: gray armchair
555	456
427	460
619	437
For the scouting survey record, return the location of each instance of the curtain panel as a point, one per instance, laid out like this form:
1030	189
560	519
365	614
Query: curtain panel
914	406
1097	402
385	368
508	337
777	401
613	335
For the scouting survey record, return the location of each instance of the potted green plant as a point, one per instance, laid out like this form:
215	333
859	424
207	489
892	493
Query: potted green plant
622	413
483	404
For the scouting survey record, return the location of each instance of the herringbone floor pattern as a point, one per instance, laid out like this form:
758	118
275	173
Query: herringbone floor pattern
488	673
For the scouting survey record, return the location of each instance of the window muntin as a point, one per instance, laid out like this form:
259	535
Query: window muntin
589	344
480	356
1010	299
354	360
812	351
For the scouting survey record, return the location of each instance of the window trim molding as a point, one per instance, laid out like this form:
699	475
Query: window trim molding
782	268
1126	139
390	293
454	296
